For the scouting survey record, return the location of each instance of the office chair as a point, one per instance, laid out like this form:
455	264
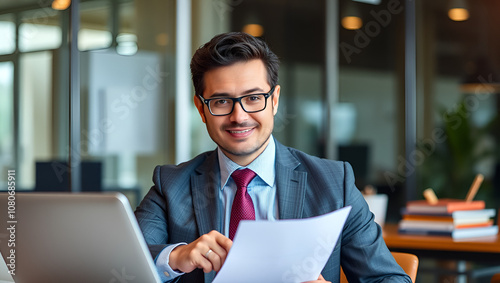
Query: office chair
409	263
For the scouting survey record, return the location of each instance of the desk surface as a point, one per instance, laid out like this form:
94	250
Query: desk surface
487	248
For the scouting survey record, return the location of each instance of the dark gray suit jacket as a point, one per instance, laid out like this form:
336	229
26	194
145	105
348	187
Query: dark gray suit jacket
183	205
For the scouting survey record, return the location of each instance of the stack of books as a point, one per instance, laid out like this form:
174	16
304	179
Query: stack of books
458	219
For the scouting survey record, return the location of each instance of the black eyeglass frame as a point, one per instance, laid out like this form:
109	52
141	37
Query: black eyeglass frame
237	99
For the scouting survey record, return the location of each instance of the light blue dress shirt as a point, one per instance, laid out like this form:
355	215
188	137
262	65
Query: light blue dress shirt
262	190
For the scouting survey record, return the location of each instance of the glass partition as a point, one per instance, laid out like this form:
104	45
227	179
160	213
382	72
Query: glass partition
459	104
40	30
295	32
7	149
8	32
127	93
369	119
95	24
36	115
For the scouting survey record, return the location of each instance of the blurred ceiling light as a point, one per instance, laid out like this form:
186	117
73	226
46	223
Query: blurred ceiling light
352	23
127	44
458	14
458	10
61	4
351	17
254	30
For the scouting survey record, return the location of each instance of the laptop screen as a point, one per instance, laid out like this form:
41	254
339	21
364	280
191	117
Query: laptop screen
65	237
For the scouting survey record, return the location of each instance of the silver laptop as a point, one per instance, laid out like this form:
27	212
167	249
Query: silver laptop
63	237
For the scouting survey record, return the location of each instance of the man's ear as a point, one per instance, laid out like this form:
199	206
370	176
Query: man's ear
276	99
201	108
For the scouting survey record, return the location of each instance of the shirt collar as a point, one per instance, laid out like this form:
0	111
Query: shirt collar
263	165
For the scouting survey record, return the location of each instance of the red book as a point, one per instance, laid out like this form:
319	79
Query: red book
443	206
439	225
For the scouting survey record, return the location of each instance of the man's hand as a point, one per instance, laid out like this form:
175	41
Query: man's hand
186	258
320	280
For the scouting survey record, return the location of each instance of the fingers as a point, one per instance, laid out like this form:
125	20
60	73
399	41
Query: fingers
208	264
223	241
214	260
196	254
220	246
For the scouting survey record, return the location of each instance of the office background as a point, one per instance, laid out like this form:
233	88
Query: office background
125	88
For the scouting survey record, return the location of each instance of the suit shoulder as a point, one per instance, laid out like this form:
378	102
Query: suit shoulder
314	161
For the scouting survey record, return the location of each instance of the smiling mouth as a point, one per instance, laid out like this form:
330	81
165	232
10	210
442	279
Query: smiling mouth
239	132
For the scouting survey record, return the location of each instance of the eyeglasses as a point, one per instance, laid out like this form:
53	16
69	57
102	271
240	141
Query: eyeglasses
251	103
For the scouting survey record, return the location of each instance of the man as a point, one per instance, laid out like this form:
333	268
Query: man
189	216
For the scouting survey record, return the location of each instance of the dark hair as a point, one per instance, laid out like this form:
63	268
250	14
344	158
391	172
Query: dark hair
229	48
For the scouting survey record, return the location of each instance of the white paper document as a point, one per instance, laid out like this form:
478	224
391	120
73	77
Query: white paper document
289	251
5	276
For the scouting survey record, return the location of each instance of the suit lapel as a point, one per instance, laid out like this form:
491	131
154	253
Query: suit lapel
205	183
290	184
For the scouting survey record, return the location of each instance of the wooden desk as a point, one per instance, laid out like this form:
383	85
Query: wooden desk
482	249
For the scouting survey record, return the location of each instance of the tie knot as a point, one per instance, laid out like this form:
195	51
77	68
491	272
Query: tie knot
243	177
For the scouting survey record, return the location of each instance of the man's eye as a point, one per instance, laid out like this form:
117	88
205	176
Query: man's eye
221	102
253	98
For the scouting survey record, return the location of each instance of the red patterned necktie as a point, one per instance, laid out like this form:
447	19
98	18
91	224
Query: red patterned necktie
242	208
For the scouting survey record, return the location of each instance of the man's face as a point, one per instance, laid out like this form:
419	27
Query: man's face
241	136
